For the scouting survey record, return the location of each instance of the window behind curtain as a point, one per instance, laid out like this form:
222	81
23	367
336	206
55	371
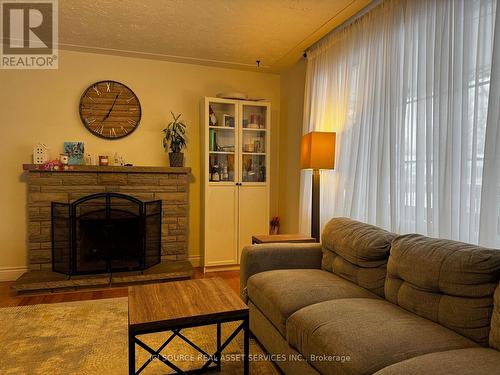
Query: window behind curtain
406	88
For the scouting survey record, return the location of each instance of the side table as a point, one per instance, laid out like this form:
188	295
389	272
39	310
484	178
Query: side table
282	238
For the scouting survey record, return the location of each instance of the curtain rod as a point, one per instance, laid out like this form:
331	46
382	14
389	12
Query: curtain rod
348	22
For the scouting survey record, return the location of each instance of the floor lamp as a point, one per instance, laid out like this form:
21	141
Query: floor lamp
317	151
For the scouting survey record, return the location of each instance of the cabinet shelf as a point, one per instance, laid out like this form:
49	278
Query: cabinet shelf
253	153
221	182
254	130
221	127
221	152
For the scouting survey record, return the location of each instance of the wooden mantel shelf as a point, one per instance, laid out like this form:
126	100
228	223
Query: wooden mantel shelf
109	169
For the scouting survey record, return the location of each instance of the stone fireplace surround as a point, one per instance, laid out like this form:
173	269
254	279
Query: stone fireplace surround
145	183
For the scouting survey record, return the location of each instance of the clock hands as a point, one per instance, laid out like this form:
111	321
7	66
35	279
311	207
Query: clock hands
109	112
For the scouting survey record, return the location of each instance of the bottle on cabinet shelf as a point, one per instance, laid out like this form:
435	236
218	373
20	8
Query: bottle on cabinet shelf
262	173
213	141
216	173
221	171
225	175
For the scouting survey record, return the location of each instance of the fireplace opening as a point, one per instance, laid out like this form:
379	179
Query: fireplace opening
105	232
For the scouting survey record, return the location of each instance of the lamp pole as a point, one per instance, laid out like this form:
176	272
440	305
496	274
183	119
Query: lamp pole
315	205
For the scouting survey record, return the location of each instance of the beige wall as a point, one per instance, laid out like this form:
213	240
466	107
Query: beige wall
42	106
292	106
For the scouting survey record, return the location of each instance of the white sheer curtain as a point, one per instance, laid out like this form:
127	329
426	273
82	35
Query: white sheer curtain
489	232
406	89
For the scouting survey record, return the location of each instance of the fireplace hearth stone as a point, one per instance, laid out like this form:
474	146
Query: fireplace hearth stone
48	281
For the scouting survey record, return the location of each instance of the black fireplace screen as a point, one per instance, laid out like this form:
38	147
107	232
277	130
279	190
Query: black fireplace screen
105	232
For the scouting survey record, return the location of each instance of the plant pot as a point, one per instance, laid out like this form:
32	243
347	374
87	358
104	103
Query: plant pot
176	159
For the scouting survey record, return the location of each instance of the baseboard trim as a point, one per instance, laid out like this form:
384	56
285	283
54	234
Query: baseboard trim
208	269
195	261
11	273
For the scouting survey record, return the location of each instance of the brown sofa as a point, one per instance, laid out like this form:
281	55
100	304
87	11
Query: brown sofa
368	301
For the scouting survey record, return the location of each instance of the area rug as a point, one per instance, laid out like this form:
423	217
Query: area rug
90	337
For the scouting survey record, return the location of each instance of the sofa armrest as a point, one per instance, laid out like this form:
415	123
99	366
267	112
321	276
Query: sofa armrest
275	256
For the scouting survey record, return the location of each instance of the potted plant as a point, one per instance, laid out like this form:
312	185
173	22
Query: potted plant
175	140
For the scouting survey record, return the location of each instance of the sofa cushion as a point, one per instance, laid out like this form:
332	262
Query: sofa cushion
357	252
475	361
372	279
279	293
448	282
495	322
373	333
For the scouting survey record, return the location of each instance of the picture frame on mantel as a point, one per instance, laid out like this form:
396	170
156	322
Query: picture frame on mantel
75	152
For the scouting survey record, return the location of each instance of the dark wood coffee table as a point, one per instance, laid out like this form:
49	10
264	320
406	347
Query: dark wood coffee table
176	305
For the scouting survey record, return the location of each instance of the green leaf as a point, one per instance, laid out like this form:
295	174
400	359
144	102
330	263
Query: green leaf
175	134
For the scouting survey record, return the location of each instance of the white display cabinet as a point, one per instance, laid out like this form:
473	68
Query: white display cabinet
235	173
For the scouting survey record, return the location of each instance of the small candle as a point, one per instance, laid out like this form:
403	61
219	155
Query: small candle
103	161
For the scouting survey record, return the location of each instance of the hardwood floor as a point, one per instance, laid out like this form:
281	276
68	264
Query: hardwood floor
9	298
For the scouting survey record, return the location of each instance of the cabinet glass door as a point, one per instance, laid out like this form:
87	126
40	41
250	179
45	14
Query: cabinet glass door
221	142
254	143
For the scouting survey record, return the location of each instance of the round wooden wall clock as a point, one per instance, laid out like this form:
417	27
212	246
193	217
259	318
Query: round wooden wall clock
110	110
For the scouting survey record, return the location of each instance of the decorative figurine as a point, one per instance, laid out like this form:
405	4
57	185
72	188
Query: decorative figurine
212	119
64	159
40	154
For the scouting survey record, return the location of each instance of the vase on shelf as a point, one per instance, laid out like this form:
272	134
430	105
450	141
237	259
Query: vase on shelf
176	159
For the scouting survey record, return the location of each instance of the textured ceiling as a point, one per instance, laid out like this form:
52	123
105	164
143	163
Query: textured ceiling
230	33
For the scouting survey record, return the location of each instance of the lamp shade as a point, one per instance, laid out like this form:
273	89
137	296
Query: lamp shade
317	151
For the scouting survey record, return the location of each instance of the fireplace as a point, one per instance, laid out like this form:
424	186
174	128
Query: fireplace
105	232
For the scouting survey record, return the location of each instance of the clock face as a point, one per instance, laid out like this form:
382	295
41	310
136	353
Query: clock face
110	110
